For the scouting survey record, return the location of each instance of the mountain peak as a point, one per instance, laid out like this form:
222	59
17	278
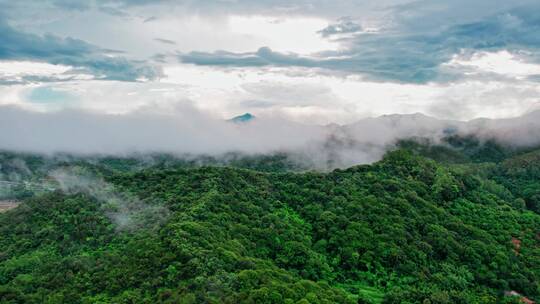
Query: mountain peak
242	118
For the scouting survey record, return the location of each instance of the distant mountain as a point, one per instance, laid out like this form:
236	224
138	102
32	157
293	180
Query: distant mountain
479	140
242	118
520	131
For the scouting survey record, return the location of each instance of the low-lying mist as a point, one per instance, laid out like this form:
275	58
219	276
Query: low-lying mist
187	132
125	210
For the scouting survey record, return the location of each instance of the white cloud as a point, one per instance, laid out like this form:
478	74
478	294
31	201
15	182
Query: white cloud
11	95
192	32
21	72
182	129
294	34
294	93
23	68
502	62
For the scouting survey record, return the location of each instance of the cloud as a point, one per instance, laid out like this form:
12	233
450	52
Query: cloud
166	41
453	59
150	19
502	65
534	77
485	96
377	66
126	211
282	93
409	51
113	11
71	5
270	7
187	131
344	25
254	103
411	41
29	72
85	57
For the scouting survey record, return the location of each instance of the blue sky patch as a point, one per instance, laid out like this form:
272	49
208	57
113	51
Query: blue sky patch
49	95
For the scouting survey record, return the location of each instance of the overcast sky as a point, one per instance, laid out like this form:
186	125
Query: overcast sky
315	61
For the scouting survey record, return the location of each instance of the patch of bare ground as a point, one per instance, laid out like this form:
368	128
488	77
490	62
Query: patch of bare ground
5	205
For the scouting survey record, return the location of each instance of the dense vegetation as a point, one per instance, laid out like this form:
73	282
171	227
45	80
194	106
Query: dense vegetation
407	229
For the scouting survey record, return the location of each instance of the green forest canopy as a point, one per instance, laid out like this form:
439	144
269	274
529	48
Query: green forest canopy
407	229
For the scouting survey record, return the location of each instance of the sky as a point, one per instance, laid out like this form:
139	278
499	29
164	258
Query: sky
309	61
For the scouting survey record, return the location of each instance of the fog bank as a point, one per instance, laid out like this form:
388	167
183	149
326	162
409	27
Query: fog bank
187	131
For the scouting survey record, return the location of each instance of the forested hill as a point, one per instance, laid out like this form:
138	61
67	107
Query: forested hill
403	230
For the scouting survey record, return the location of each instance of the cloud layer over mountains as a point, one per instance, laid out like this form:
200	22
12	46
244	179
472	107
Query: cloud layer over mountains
188	131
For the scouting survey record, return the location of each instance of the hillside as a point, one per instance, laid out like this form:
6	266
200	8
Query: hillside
403	230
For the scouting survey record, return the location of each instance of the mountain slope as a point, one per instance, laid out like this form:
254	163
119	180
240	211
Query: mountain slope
403	230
